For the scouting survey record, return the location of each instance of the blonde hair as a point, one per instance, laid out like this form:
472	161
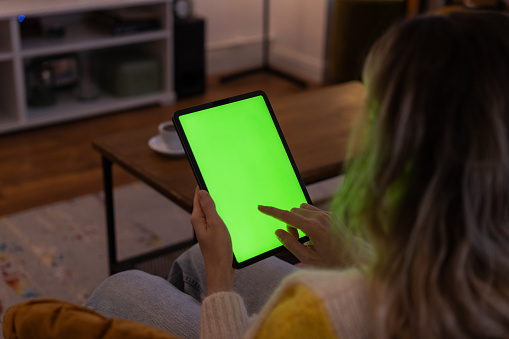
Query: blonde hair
428	185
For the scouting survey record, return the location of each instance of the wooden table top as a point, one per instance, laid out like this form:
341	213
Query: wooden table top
316	125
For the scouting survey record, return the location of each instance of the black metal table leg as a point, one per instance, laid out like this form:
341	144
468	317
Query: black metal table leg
110	214
116	266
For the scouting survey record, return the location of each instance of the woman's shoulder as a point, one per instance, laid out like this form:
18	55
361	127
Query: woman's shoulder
316	303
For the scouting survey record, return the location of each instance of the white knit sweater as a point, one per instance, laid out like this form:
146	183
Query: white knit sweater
308	303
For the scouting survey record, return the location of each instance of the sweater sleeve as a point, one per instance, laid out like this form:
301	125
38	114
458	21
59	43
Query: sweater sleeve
223	315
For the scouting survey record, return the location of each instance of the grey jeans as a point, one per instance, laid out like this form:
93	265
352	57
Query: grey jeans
174	304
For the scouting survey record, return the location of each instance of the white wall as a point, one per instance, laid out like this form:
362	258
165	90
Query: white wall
234	35
299	29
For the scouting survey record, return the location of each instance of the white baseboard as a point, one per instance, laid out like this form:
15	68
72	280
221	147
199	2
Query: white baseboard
297	64
231	56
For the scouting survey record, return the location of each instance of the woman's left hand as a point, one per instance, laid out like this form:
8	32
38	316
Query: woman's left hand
215	243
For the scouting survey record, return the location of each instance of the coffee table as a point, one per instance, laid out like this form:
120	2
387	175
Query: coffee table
316	125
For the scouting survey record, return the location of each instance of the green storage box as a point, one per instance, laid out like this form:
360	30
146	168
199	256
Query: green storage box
130	74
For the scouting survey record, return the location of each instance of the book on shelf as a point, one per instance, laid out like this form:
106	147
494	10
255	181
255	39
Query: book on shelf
125	20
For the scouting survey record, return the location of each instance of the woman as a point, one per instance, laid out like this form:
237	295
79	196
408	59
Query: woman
419	245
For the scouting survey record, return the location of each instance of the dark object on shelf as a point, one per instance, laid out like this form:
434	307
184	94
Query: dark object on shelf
128	73
65	70
43	76
189	49
182	9
39	84
31	27
55	31
125	20
87	88
265	53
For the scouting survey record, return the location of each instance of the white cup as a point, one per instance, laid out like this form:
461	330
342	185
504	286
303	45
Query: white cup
169	135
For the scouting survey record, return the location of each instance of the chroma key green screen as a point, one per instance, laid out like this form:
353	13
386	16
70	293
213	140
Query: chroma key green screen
243	163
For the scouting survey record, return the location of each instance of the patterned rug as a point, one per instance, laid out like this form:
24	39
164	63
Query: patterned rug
59	250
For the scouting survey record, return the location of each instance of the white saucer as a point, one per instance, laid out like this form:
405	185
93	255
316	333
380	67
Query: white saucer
158	145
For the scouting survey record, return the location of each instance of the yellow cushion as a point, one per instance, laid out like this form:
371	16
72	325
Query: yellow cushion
49	318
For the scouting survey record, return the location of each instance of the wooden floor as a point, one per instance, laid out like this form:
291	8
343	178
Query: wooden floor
50	164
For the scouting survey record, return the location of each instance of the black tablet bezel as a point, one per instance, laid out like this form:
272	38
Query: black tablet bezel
197	172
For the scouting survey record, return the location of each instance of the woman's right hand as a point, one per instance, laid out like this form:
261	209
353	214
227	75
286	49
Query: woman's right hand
325	247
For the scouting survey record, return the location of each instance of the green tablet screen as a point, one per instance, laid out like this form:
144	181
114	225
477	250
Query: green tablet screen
241	157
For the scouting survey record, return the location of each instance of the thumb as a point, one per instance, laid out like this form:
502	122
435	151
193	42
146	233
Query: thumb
207	204
292	244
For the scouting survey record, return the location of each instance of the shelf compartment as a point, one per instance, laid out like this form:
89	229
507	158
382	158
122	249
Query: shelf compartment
79	37
5	37
69	108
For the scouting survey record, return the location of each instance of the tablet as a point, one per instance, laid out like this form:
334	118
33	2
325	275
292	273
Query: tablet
239	155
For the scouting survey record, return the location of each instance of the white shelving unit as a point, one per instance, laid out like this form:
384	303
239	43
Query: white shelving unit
16	51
